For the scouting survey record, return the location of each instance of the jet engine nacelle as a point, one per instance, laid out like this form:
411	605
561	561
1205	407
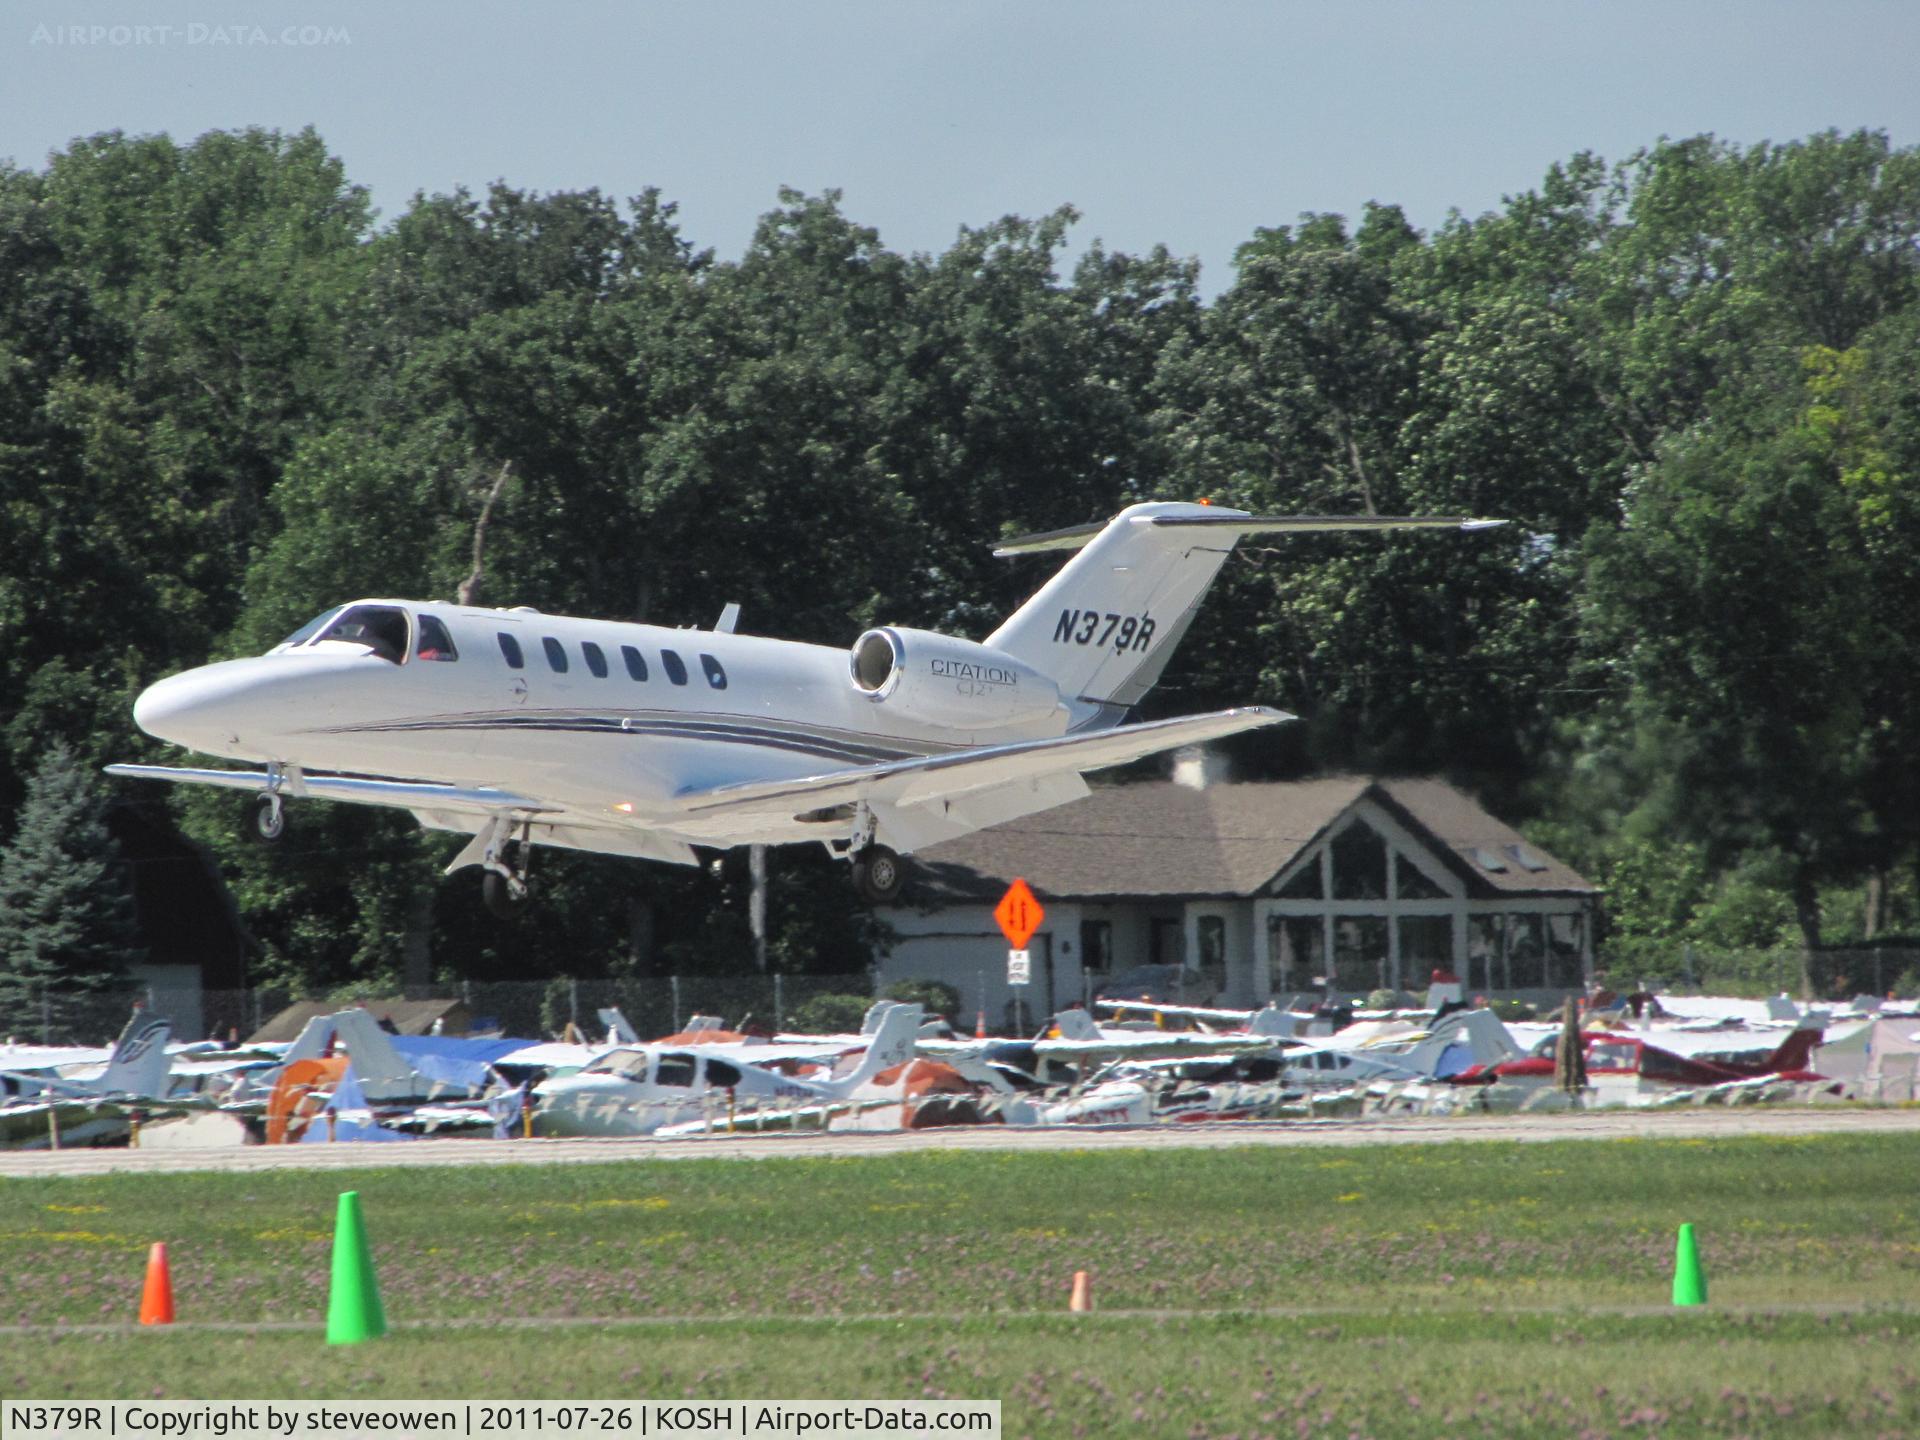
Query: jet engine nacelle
939	680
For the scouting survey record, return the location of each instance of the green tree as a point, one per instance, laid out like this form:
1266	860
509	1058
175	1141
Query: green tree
67	932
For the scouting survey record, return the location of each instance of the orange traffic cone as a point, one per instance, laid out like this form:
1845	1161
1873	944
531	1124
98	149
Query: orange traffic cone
979	1024
1082	1299
156	1297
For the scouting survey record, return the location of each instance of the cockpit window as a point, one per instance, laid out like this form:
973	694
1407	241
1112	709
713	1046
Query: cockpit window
434	642
381	628
307	631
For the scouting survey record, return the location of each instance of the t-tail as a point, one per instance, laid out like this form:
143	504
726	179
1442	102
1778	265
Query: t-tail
1104	628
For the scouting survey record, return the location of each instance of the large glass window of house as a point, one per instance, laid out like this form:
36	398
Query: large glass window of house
1410	882
1296	951
1527	947
1359	863
1566	967
1210	936
1304	883
1487	952
1360	952
1096	945
1166	941
1426	945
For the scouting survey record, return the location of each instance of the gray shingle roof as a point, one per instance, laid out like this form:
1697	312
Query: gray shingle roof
1159	838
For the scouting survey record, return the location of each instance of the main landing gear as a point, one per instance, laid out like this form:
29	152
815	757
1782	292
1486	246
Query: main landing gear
878	872
505	886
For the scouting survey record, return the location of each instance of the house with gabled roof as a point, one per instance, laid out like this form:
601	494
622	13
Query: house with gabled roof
1257	892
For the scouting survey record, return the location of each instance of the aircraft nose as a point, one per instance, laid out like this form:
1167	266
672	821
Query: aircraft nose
180	708
160	706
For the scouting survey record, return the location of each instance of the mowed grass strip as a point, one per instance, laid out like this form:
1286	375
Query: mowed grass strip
1380	1375
1460	1227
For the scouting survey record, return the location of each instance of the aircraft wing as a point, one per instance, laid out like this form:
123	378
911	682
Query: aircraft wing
402	794
922	782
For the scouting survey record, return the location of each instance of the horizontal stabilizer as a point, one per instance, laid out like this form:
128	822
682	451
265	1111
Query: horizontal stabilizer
1233	524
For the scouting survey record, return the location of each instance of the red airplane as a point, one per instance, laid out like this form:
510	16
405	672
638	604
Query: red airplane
1611	1052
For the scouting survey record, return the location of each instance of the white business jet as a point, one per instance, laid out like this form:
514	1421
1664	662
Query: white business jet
523	729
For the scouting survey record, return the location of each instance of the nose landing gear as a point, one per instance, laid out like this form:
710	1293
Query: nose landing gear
269	819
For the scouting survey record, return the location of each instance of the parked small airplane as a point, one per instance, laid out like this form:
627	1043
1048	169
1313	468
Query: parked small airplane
1624	1056
66	1111
522	729
638	1089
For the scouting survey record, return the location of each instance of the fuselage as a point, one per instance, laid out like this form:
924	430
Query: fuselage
591	714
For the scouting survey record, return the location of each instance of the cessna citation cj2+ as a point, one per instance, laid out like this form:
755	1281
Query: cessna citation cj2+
522	729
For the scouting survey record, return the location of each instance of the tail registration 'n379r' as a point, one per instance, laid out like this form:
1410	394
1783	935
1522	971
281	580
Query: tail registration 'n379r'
522	730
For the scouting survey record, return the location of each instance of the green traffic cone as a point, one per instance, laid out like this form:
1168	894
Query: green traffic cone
1689	1280
353	1304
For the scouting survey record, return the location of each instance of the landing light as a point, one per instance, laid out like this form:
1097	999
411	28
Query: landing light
625	807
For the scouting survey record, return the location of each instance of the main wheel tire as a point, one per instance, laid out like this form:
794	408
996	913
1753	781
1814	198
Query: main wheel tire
268	821
501	899
878	874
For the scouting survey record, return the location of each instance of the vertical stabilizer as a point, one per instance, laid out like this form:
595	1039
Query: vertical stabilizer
140	1063
1104	628
893	1044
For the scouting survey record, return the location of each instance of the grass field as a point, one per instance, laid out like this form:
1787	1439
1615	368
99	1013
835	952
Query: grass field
1456	1289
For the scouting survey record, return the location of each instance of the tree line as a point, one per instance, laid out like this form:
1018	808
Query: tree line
229	398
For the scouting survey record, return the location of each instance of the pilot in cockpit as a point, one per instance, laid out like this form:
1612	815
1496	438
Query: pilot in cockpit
382	630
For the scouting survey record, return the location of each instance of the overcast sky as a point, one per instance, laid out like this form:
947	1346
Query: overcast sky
1186	125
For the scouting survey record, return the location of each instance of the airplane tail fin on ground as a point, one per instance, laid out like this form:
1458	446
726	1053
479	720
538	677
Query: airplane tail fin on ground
1076	1025
1461	1041
1796	1051
894	1033
1274	1021
383	1072
140	1063
1104	628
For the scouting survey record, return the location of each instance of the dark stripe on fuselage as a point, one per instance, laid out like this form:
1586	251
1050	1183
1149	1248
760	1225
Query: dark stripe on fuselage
728	731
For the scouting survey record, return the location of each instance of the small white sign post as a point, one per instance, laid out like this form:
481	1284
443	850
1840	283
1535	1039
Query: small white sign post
1019	967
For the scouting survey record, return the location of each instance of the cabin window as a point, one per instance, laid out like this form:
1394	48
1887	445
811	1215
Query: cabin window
636	662
720	1073
556	654
433	641
675	667
674	1070
381	628
716	677
596	658
510	647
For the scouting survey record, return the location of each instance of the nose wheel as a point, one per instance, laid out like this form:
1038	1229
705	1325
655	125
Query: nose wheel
268	823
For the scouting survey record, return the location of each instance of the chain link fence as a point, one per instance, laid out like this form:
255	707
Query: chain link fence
654	1006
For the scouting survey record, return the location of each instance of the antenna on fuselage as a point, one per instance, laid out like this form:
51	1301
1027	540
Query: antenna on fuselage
729	617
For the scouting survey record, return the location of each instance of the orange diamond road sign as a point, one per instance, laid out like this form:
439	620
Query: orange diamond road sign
1019	914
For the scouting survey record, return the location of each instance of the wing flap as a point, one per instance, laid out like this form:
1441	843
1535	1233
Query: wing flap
961	772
